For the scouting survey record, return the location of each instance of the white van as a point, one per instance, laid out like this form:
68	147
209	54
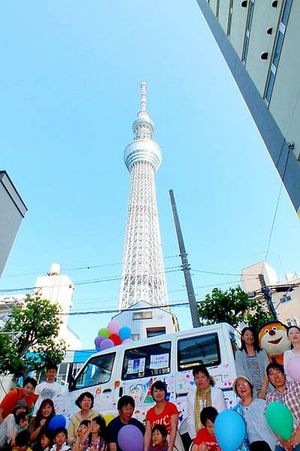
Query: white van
130	369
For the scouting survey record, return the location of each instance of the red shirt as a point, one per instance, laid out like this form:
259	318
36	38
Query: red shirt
164	417
10	400
209	440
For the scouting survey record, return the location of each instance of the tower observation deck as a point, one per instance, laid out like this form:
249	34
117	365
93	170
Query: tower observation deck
143	277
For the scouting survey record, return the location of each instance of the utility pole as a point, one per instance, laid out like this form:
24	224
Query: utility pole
267	295
186	267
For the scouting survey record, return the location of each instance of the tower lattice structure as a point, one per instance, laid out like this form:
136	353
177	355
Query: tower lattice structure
143	277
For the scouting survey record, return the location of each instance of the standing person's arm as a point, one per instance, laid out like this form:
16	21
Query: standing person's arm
240	363
263	367
71	429
147	436
190	414
218	400
1	418
173	432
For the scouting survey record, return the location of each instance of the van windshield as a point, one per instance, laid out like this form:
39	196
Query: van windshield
198	350
97	371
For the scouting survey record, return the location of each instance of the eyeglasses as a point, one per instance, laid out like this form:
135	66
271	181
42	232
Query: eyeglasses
242	384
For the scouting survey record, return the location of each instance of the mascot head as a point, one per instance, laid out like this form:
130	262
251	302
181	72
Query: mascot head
274	340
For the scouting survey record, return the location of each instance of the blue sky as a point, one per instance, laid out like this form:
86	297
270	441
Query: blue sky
69	93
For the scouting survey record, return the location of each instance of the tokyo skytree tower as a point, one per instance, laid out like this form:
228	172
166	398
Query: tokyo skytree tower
143	277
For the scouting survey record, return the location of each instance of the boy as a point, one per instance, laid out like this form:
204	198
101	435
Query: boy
60	438
22	441
49	388
205	439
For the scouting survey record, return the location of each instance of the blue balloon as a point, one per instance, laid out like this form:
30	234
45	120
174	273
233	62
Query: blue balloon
57	421
230	430
124	332
130	438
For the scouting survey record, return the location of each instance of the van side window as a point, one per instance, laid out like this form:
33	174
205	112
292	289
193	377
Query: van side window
198	350
97	371
147	361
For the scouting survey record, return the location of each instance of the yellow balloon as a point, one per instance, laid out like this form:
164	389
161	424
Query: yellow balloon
108	417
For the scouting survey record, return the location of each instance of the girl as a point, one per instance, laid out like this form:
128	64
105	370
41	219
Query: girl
96	440
159	438
293	333
44	414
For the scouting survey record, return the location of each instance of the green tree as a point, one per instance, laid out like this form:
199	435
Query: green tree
28	339
232	306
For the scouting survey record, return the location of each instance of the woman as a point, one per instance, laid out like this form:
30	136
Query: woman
259	435
96	440
251	361
45	412
9	426
165	413
293	333
85	403
205	394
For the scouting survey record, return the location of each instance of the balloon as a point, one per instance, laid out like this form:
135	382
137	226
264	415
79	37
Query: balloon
293	367
130	438
124	332
127	340
106	343
98	341
104	332
114	326
230	430
280	419
116	339
57	421
108	417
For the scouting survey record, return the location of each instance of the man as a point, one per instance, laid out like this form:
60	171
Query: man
126	407
287	393
49	388
10	400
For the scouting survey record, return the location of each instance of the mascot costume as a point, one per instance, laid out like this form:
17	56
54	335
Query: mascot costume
273	339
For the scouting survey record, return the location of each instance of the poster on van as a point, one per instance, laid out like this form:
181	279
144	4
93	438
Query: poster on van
136	366
159	361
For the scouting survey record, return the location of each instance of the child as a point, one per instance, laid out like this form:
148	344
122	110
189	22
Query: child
60	438
205	439
81	435
159	438
44	442
22	441
96	439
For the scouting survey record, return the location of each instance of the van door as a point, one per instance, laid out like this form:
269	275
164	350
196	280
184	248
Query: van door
142	366
97	377
192	351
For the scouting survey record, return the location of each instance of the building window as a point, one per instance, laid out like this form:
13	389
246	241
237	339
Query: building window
153	331
277	50
142	315
248	31
147	361
195	351
286	11
229	17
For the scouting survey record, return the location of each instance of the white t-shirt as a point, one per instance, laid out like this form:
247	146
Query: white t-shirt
47	390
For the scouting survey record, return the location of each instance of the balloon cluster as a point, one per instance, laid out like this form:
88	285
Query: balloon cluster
112	335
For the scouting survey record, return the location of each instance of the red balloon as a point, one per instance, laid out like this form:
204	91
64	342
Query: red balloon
116	339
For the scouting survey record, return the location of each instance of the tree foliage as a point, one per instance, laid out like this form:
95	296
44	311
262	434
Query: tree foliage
28	339
233	306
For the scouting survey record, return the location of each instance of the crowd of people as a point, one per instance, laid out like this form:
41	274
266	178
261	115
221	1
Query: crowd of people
26	413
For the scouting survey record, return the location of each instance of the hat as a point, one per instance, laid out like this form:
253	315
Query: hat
235	382
21	403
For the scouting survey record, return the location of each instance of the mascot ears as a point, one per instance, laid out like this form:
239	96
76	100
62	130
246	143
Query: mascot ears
273	339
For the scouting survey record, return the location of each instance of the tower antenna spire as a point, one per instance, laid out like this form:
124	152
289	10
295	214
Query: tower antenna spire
144	96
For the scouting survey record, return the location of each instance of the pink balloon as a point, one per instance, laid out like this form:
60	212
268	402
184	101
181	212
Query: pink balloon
127	340
114	326
293	367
